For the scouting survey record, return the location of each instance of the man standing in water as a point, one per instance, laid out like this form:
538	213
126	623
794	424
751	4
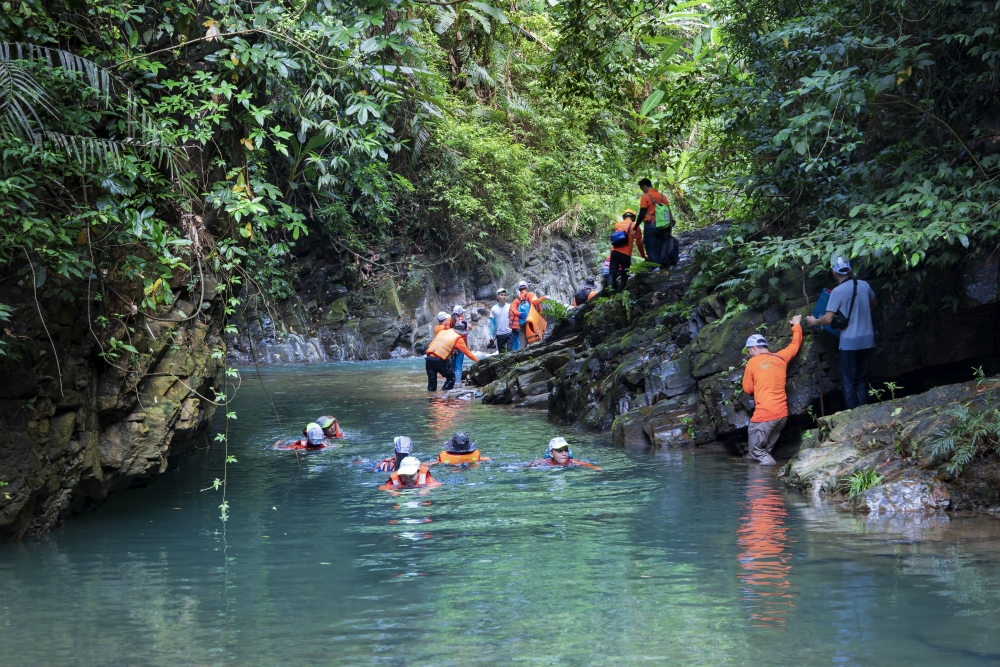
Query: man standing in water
853	299
500	329
764	379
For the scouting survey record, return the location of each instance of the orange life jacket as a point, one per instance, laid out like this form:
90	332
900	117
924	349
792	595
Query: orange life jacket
441	327
424	480
443	344
515	314
579	295
337	433
458	459
535	326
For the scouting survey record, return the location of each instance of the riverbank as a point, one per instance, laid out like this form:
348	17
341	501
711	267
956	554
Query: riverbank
660	364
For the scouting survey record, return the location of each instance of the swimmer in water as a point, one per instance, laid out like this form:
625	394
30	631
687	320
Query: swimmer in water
560	455
411	475
404	447
320	431
458	450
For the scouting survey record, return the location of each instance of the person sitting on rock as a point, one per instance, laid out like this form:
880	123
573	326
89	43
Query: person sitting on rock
458	450
404	447
559	454
411	475
764	379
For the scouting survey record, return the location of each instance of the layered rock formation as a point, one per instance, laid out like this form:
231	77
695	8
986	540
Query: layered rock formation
75	429
396	316
659	371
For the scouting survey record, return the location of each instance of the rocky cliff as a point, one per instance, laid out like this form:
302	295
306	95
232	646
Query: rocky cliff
78	426
347	310
660	366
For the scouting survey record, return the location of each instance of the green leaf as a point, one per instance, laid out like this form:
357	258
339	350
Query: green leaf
651	102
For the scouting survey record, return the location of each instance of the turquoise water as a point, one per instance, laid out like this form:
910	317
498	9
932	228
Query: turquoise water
668	557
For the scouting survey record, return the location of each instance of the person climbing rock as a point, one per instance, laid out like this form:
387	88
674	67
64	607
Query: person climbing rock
585	293
606	272
443	322
462	328
410	475
764	379
655	237
404	447
458	449
852	299
625	235
439	361
559	454
520	308
500	330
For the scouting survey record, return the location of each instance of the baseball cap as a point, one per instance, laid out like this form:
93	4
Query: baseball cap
558	443
409	466
502	290
522	285
458	310
403	444
841	266
756	340
325	421
442	316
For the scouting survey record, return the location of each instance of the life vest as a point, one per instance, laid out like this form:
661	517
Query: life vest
535	326
458	459
583	295
441	327
443	344
424	480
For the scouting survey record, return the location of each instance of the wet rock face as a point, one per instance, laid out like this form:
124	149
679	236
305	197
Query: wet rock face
110	426
328	321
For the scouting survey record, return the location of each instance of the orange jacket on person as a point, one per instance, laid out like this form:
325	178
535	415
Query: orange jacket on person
424	481
634	231
764	378
441	327
648	203
454	459
515	315
446	342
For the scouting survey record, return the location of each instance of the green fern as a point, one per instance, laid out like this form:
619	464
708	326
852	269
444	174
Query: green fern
861	481
970	434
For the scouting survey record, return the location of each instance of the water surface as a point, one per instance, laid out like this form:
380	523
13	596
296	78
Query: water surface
668	557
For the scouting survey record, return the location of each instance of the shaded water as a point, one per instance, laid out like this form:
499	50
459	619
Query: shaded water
670	557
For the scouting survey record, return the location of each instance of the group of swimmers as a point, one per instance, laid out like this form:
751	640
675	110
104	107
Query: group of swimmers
407	472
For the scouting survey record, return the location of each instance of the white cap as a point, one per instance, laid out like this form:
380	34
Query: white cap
841	266
522	284
458	310
756	340
442	316
558	443
314	433
403	444
409	466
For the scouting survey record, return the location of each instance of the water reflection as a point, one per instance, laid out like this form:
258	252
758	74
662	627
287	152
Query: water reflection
764	556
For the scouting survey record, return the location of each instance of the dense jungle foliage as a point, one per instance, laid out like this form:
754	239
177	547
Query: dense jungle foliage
144	139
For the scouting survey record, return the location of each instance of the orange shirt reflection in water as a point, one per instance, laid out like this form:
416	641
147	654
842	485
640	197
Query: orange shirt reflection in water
764	559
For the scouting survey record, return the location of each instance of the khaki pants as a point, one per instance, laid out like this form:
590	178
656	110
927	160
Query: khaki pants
762	436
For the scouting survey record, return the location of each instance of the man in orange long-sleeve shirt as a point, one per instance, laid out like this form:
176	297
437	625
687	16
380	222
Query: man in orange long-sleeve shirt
764	378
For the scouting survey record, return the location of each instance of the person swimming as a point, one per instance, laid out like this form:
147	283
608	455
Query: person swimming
404	447
411	475
559	454
316	435
458	450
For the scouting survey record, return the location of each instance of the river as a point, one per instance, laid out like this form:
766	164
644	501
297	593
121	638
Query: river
663	557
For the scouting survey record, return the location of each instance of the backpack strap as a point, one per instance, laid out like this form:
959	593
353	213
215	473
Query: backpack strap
853	297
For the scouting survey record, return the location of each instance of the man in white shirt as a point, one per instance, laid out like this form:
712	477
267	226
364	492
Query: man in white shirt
852	298
500	321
